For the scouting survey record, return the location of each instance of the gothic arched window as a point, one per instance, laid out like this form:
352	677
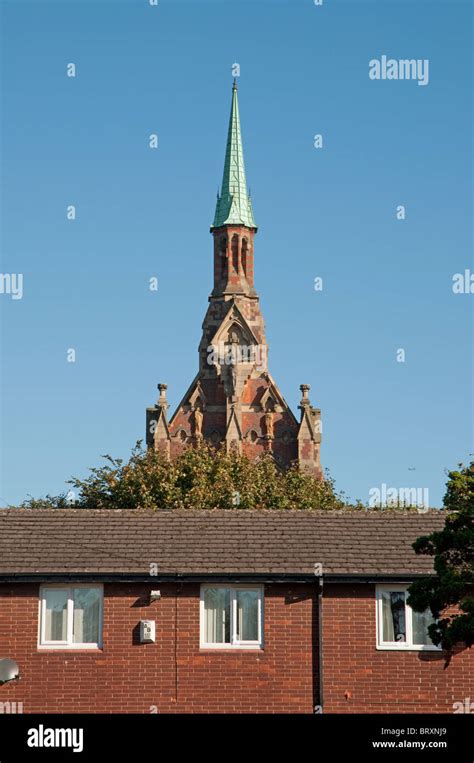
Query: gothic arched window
235	252
244	256
223	254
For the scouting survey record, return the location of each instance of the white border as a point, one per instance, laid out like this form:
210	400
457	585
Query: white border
398	646
234	643
69	644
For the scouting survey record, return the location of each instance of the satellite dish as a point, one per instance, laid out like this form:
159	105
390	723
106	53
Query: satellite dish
9	670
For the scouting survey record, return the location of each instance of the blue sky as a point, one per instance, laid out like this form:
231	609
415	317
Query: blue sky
330	212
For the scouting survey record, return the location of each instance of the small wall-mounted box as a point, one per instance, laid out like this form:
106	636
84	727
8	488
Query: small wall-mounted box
147	631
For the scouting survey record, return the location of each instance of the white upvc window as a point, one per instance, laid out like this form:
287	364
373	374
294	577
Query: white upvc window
231	617
70	617
398	625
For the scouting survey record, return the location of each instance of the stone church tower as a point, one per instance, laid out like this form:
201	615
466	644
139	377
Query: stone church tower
233	401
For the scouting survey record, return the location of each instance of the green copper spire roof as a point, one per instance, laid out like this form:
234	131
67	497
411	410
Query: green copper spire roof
234	206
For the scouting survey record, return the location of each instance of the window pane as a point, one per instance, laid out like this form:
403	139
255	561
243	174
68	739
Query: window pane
55	628
86	615
421	621
217	616
247	615
393	616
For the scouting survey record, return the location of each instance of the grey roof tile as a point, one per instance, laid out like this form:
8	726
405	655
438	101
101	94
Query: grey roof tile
219	541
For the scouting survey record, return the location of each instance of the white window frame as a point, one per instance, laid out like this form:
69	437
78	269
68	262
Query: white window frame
68	643
234	642
399	646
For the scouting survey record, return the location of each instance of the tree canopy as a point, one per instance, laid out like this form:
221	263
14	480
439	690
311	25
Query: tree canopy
200	478
452	550
206	478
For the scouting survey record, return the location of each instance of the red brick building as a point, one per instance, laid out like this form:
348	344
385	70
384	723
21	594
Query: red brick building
233	401
223	611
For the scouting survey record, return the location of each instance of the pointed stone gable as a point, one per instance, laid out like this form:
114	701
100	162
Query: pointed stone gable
233	402
233	435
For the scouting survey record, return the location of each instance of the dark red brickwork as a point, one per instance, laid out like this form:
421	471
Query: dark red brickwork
254	418
358	678
233	362
233	254
175	675
284	446
172	674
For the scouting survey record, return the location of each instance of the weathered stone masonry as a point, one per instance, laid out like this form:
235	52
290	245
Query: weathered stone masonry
233	401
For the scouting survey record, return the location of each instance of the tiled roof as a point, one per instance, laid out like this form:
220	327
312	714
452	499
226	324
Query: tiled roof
212	542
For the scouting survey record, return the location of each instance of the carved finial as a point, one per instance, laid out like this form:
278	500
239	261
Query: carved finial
162	401
305	388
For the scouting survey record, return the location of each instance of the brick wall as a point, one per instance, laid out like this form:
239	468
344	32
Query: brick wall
171	674
174	675
358	678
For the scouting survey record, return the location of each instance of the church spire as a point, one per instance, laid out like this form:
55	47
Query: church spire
233	403
234	206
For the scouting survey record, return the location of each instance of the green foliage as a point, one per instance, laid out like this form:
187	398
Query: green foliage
200	478
453	552
49	501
